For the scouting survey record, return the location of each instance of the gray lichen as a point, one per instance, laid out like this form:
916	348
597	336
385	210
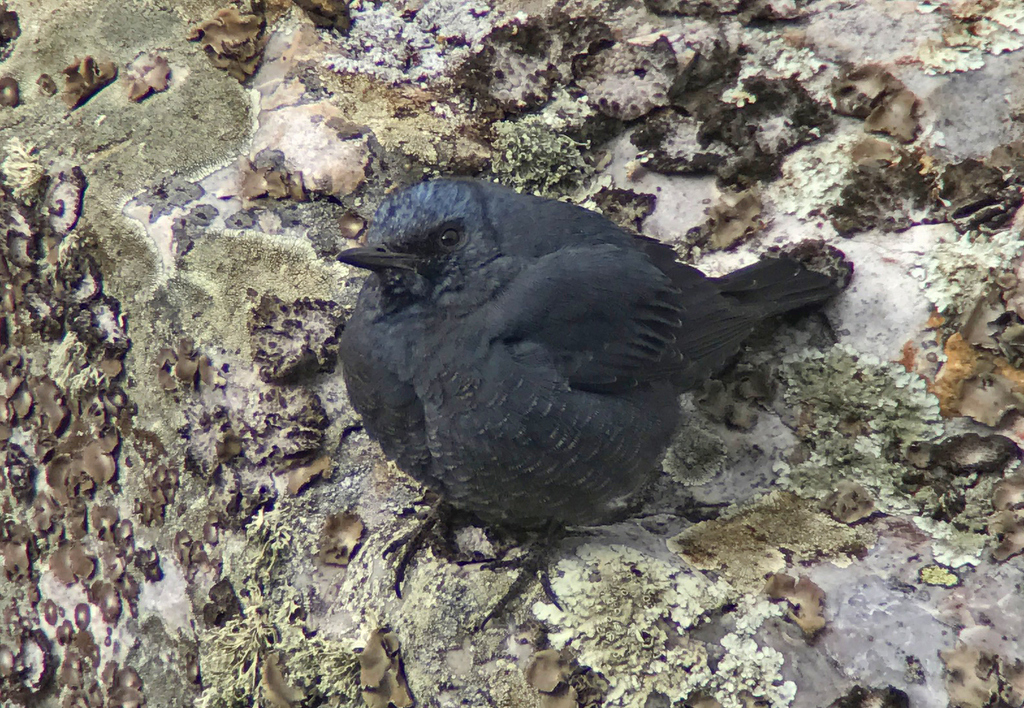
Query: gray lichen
857	417
629	615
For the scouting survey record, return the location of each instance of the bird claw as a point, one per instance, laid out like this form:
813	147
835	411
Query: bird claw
412	542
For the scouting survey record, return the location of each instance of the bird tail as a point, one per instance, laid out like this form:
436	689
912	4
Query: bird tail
774	286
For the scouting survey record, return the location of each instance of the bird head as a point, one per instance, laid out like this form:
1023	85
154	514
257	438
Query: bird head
425	241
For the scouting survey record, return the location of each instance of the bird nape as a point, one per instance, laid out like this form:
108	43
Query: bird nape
523	357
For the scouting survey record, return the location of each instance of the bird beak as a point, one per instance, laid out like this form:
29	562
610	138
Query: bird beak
377	259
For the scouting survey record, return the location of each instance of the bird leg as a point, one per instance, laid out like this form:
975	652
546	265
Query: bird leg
412	542
533	564
436	529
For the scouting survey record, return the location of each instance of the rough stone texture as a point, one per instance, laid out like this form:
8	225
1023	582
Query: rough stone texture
177	448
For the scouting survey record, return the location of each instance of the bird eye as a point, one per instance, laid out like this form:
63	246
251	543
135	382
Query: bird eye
450	239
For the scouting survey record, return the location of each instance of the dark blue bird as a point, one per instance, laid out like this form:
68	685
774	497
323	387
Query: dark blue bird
523	357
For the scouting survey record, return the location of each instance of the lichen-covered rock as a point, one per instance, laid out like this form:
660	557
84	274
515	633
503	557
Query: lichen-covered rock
627	81
147	74
293	340
84	77
233	41
626	614
886	105
890	193
327	13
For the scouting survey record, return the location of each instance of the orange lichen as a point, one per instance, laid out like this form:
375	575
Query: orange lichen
909	356
961	364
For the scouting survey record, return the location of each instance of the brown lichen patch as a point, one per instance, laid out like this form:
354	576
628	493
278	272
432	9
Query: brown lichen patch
972	454
403	122
10	28
327	13
232	41
27	665
625	207
105	596
978	195
147	74
627	80
299	477
147	560
47	86
351	226
83	78
276	689
190	553
184	364
972	676
18	548
294	339
989	398
381	676
223	606
805	600
699	700
549	673
849	503
339	538
886	105
19	472
71	562
888	189
779	528
733	217
863	697
162	486
124	687
268	180
1007	523
10	93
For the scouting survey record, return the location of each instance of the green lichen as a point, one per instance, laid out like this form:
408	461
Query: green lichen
973	32
748	669
627	615
956	272
531	154
858	417
22	171
234	658
269	541
814	175
938	575
69	366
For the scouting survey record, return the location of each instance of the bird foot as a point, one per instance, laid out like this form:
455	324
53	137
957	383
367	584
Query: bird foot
532	564
412	542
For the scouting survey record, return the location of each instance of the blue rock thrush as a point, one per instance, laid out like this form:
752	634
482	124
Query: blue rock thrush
523	357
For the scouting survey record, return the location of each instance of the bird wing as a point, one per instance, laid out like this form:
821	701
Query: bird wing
612	317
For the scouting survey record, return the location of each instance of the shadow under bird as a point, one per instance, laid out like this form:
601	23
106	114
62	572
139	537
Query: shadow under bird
523	357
